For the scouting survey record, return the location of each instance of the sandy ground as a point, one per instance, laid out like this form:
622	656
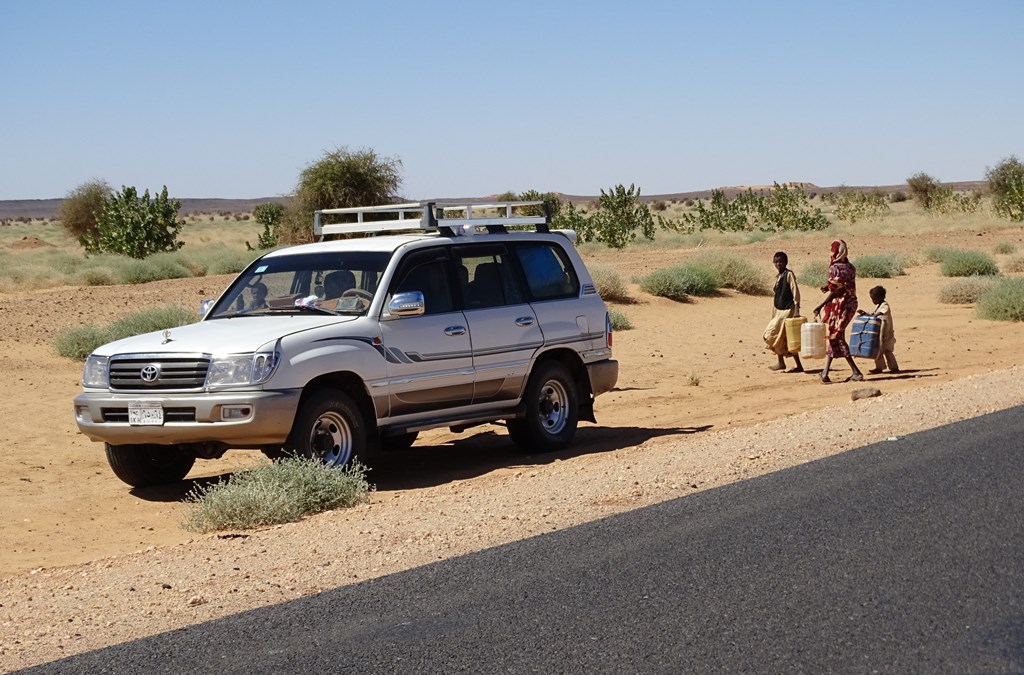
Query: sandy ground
88	562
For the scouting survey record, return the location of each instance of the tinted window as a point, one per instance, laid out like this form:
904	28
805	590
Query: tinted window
428	274
488	278
549	274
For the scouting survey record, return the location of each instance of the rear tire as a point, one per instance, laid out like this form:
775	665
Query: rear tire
552	410
148	464
329	428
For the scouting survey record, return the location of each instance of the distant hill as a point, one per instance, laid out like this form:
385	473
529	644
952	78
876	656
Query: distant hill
12	209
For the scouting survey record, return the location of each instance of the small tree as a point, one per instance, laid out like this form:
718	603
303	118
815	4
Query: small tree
269	216
620	214
924	189
1006	183
135	226
341	178
81	208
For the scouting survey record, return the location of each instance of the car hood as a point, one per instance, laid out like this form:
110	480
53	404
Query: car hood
236	335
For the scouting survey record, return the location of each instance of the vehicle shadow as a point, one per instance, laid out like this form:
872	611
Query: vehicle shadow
474	455
482	453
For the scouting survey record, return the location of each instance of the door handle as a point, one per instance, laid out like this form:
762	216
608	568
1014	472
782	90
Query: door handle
524	321
455	330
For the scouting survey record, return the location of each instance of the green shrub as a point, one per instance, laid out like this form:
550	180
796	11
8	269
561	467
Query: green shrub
80	341
135	226
678	283
882	266
281	492
155	268
735	271
1004	248
937	254
619	320
96	276
609	284
964	263
1003	302
814	274
1006	183
965	291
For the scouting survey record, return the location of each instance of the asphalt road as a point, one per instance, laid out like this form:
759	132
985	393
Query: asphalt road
901	557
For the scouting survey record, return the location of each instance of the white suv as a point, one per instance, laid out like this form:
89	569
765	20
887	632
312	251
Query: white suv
450	316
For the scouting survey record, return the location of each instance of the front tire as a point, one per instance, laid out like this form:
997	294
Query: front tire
148	464
552	410
329	428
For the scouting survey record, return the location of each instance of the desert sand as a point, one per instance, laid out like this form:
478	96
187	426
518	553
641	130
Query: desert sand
86	561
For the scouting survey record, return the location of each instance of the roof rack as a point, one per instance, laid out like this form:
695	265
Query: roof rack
453	219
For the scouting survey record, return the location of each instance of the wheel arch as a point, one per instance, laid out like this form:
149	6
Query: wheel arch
571	360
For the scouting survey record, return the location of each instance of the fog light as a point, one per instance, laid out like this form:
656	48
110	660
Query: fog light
82	413
235	412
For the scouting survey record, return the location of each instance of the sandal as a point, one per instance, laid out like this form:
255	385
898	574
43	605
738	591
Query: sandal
795	369
776	367
856	377
824	379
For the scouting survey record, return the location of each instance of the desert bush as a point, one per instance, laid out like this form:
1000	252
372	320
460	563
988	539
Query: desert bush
735	271
268	215
882	266
609	284
898	197
135	226
937	254
96	276
78	342
782	209
619	320
1004	248
155	268
80	211
618	217
341	178
281	492
1006	183
854	205
814	274
1014	265
964	263
965	291
1003	302
678	283
923	189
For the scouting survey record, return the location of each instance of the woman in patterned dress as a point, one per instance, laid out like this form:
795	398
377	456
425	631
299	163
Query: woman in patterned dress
840	305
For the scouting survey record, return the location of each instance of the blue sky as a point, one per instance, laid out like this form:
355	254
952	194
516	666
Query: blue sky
233	99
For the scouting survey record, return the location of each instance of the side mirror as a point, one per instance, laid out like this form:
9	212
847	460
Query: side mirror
406	304
204	308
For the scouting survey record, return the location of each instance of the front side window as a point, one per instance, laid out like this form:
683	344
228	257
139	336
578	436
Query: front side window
427	272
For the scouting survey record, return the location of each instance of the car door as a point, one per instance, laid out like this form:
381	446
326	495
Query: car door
504	328
429	357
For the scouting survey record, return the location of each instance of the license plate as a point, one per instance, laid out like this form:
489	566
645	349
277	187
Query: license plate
145	414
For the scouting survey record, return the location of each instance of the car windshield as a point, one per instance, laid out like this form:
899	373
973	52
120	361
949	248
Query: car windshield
326	283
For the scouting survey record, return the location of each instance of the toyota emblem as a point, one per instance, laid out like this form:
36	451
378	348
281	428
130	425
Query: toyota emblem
150	373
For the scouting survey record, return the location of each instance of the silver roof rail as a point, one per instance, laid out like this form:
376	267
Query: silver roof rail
454	218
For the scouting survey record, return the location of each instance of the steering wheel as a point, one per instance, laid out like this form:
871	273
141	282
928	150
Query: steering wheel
358	293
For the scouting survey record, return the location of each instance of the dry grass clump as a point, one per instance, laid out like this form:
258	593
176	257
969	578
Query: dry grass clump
965	291
679	283
734	271
610	284
964	263
78	342
814	274
1014	265
881	266
281	492
1003	302
619	320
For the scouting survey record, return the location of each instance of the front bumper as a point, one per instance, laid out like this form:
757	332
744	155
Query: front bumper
263	418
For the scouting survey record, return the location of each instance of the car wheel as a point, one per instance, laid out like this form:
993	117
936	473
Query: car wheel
552	410
398	443
145	465
329	428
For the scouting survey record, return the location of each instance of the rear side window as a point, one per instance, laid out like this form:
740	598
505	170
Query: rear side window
487	277
549	273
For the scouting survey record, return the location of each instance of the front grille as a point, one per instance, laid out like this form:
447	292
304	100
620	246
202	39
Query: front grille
170	415
187	372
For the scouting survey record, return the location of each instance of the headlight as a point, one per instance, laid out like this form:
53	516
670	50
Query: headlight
95	372
241	369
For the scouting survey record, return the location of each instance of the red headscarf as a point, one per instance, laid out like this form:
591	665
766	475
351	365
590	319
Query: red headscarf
838	251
